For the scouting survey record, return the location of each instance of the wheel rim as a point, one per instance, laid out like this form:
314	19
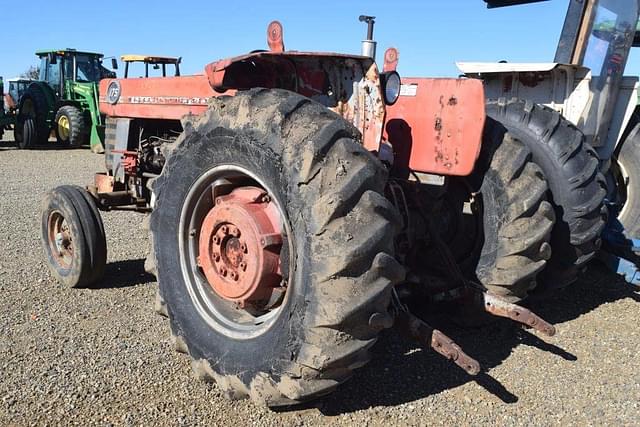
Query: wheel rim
60	239
234	252
64	128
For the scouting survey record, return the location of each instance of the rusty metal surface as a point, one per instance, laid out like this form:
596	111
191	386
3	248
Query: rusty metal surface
391	57
275	37
129	161
501	308
436	340
349	85
436	125
103	183
239	246
60	239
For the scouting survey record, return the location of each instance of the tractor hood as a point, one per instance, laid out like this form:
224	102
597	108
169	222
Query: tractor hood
350	85
226	73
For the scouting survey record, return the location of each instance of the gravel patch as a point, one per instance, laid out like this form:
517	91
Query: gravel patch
103	357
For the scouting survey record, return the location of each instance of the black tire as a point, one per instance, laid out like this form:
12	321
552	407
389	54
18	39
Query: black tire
17	134
77	126
628	183
28	134
517	219
84	264
341	228
34	106
577	187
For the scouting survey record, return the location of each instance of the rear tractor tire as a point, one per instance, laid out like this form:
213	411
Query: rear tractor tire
512	247
577	187
73	237
32	119
274	247
28	135
627	171
70	126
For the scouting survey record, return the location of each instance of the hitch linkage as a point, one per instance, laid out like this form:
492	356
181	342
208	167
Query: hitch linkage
436	340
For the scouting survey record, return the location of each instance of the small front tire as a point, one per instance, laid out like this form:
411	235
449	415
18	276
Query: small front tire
73	237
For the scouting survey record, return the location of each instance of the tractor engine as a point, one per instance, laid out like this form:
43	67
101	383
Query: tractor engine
134	154
150	155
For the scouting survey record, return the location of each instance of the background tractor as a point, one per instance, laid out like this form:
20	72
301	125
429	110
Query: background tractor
155	63
302	202
579	117
64	99
16	88
6	118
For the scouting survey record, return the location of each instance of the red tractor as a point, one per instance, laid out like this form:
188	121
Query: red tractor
302	202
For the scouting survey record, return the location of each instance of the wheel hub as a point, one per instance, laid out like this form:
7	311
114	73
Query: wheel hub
239	246
63	128
60	239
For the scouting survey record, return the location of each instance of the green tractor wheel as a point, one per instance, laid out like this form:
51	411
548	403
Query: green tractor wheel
70	126
32	119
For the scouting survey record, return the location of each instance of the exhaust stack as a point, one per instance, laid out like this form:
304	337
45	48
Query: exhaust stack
369	45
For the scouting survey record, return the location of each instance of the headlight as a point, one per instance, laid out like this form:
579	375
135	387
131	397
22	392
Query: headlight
391	86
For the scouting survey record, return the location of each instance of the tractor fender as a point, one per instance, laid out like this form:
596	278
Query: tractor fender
626	115
436	125
48	94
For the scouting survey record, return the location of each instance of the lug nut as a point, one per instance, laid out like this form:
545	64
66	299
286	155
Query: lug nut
243	246
234	275
243	265
216	257
234	232
216	240
223	271
224	229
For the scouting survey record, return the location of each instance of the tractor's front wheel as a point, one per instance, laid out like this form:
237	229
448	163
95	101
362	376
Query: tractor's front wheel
274	247
70	126
73	237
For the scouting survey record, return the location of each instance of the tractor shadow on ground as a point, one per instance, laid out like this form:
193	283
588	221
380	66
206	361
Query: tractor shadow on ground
50	146
124	274
401	372
8	144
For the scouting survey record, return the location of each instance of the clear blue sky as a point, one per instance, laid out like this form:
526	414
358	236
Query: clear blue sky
431	34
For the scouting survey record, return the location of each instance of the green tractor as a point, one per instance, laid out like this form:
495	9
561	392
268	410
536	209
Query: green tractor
64	99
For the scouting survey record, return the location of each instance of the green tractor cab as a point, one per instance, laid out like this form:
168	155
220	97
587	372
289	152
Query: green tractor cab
64	99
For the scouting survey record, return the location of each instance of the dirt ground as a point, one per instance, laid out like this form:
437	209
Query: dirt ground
103	357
